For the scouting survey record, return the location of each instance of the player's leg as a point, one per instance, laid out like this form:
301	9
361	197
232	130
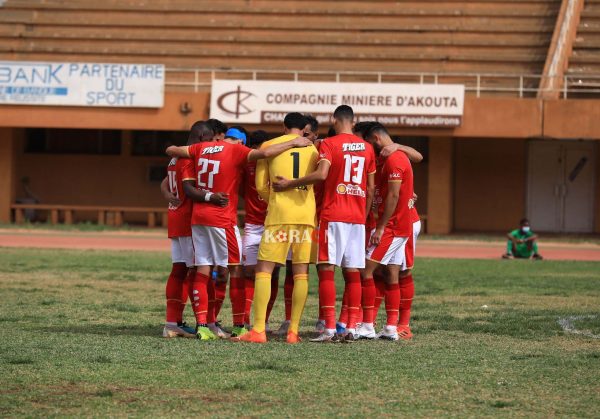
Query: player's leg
327	259
367	297
237	285
174	291
220	284
380	275
351	257
187	247
251	241
407	293
272	299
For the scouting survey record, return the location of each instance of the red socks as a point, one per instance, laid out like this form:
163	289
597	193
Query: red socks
392	303
220	292
407	292
354	290
249	286
174	291
288	289
237	294
185	292
200	297
379	295
210	288
327	298
344	311
273	297
368	299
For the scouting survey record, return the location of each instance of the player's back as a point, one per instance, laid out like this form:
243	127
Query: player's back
294	206
218	166
351	159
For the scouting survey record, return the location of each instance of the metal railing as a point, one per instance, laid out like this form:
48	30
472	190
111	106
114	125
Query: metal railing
479	84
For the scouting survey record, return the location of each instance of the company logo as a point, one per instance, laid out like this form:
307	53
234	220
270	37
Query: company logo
350	189
290	236
395	176
233	102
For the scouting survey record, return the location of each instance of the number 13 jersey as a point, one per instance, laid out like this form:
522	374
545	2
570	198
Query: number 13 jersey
294	206
345	189
218	167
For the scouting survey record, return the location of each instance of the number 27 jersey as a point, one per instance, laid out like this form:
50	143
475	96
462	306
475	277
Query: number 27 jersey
218	167
345	189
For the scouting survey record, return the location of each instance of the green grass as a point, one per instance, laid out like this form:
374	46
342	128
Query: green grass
86	226
81	337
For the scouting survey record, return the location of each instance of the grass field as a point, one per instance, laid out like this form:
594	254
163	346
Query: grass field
81	336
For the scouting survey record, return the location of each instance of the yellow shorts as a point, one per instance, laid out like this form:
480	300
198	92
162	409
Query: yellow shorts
278	239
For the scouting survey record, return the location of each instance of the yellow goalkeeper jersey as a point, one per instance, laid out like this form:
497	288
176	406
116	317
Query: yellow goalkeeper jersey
294	206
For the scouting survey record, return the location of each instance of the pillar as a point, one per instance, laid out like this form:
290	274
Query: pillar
7	172
440	189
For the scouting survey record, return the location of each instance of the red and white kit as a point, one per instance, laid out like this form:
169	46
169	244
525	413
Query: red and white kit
392	249
218	167
256	211
343	213
179	217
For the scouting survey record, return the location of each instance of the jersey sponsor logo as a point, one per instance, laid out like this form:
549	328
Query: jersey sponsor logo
395	176
350	189
354	147
213	150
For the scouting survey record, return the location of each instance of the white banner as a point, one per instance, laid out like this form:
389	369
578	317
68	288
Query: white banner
409	105
82	84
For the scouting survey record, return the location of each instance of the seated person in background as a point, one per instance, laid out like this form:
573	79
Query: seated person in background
522	243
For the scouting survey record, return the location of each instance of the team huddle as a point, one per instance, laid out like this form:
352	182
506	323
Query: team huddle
345	201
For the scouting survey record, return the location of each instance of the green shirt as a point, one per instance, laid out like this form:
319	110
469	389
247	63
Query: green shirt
520	235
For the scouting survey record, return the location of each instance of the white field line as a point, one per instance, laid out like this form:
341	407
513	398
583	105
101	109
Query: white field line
567	325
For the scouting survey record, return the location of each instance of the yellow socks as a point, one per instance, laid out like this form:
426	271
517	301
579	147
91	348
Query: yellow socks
299	297
262	293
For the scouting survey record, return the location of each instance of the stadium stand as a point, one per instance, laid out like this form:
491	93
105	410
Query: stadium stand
584	65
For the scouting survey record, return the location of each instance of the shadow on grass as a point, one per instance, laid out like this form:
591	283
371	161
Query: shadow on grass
106	330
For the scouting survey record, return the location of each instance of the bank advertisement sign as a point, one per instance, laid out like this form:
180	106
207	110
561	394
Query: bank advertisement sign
82	84
404	105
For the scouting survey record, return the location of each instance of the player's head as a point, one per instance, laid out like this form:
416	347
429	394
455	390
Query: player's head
360	129
343	118
219	129
524	225
200	131
236	135
295	122
313	132
257	138
378	136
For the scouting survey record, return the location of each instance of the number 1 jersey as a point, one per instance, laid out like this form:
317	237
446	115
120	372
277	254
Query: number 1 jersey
345	189
294	206
218	167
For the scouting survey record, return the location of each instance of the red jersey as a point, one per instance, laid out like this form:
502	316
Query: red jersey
397	168
345	189
318	188
218	167
180	217
414	215
256	207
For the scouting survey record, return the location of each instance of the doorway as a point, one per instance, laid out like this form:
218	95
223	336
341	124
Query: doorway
560	192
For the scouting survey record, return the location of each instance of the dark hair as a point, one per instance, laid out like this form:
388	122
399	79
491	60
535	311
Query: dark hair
523	221
217	126
257	138
363	127
314	124
331	132
295	120
343	113
376	128
200	131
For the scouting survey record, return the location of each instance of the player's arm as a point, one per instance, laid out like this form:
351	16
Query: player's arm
261	179
412	154
277	149
174	151
318	175
531	238
370	191
219	199
391	201
166	193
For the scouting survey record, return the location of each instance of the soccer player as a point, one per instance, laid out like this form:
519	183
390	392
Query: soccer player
254	226
394	197
346	167
218	166
180	234
522	243
289	224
